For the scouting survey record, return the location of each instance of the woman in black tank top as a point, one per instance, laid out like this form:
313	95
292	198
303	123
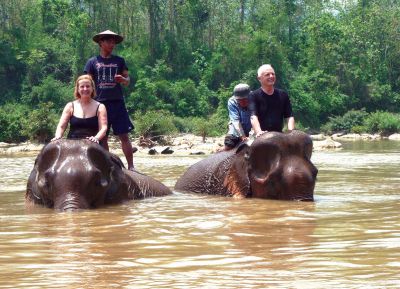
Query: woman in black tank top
86	117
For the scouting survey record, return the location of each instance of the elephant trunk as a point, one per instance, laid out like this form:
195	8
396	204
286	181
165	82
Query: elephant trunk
71	202
299	181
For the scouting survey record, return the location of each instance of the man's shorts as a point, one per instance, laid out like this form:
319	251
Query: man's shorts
231	141
117	117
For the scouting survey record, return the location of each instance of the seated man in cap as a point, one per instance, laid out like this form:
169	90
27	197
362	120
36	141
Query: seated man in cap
239	117
109	72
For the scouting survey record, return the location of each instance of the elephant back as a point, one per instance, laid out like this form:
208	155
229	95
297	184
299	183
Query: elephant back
207	176
142	186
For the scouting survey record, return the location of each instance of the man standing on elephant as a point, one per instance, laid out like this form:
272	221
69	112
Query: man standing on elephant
268	105
109	72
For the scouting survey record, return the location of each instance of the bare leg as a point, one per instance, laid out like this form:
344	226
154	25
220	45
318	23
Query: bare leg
127	149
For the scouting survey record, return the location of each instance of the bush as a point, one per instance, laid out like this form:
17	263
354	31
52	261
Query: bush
359	129
12	123
382	122
49	90
219	124
154	124
184	124
213	126
181	97
201	127
346	122
41	123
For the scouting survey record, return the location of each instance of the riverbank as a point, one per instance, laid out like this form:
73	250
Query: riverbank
188	144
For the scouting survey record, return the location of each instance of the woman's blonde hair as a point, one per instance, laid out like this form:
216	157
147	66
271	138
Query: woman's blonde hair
84	77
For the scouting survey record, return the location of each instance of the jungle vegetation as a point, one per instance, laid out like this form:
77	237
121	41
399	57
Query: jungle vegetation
339	60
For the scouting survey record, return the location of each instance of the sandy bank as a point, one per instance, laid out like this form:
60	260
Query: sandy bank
188	144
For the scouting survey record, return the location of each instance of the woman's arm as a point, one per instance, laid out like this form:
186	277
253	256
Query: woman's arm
63	123
102	116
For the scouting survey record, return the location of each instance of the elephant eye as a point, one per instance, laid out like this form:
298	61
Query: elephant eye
42	183
100	180
103	182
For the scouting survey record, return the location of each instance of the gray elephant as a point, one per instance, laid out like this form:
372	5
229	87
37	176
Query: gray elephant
275	166
80	174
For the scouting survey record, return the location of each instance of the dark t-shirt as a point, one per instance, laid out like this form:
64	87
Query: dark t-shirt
271	110
103	71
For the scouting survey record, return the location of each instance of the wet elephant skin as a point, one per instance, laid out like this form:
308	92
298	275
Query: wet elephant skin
275	166
79	174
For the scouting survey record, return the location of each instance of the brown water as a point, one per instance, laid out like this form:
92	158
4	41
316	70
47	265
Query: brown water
348	238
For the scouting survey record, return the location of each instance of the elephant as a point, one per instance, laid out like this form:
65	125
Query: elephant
275	166
70	175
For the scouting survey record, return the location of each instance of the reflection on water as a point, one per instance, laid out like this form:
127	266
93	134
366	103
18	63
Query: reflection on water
348	238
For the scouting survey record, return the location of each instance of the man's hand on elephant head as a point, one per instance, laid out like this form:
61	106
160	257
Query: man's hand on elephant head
261	133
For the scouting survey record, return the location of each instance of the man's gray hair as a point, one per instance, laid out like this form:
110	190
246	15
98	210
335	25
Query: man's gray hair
264	67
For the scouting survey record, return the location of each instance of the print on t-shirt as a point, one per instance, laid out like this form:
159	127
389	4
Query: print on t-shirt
106	74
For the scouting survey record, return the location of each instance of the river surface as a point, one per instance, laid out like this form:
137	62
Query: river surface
348	238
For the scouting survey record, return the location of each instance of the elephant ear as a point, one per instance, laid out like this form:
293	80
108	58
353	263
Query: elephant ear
264	157
47	157
37	183
236	181
308	147
117	161
31	188
302	142
111	168
101	160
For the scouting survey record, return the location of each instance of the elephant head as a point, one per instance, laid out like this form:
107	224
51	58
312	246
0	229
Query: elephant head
274	166
75	174
279	166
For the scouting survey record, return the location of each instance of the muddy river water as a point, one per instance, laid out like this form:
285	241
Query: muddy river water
348	238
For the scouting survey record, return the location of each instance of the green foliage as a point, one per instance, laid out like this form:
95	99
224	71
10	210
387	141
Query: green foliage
184	124
23	123
345	123
359	129
215	125
154	123
10	78
202	127
12	123
184	57
40	124
382	122
50	90
182	97
359	121
315	96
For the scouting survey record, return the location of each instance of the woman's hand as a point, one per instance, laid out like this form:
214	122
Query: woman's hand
55	138
93	139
